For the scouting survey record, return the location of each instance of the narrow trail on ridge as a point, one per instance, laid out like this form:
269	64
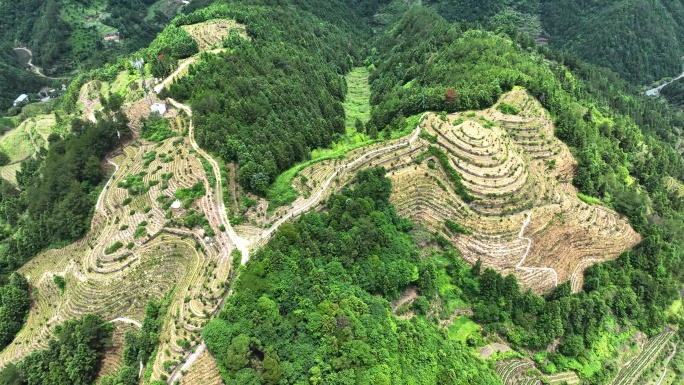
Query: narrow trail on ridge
242	244
128	321
520	266
98	205
316	198
239	242
667	362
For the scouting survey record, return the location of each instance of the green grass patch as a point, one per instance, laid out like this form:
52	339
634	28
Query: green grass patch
113	248
29	136
357	101
451	172
588	200
209	171
140	231
281	192
149	157
188	195
508	109
462	328
156	128
134	184
675	310
60	282
455	227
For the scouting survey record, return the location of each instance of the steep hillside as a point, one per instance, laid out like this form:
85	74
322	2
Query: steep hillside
277	95
640	40
67	36
524	217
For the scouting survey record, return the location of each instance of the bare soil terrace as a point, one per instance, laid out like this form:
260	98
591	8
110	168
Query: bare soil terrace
526	219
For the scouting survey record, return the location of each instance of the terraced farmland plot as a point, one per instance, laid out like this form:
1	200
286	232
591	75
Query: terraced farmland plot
154	260
29	137
631	372
565	377
205	371
210	34
525	217
515	372
113	359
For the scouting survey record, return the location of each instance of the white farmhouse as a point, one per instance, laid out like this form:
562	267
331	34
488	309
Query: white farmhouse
21	99
159	108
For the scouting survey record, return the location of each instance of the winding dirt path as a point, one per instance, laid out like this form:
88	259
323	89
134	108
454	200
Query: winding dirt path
37	70
128	321
667	362
98	205
241	243
520	266
317	197
169	79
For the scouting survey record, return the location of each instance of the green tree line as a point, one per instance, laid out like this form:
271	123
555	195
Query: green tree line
313	306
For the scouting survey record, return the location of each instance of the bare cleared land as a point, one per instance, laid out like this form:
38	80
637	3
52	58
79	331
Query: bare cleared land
210	34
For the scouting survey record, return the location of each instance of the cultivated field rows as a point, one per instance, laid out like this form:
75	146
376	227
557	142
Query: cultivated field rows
631	372
163	255
514	167
513	372
210	34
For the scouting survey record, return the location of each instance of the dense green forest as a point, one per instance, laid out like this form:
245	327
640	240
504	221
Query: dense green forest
67	36
14	306
15	79
312	306
606	128
674	93
72	357
285	92
640	40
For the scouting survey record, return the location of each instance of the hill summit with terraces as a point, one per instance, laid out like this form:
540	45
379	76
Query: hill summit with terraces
525	216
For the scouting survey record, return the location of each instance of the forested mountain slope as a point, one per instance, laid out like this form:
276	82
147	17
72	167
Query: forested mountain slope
266	102
348	292
640	40
66	36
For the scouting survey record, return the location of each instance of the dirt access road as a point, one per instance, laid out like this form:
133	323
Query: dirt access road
241	243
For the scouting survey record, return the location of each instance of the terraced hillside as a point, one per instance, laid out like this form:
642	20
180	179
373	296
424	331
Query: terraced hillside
525	217
631	372
24	141
210	34
138	248
158	227
513	206
517	372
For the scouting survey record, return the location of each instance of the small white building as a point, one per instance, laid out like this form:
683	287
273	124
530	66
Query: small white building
159	108
21	99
